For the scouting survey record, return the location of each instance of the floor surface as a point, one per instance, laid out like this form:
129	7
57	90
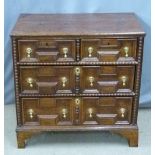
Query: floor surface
77	143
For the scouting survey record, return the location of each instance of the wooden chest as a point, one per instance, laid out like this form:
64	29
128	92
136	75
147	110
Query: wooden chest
77	72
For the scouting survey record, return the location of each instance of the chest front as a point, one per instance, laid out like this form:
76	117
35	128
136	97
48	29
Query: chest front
72	82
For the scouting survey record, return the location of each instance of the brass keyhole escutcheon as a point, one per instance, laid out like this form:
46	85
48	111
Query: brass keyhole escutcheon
77	101
77	71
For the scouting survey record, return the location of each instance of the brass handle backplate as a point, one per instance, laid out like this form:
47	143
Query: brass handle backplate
64	113
126	50
90	51
30	81
122	112
65	51
124	80
77	71
90	112
31	113
28	51
64	80
91	80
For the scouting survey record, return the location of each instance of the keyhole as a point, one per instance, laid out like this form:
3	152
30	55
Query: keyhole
46	44
108	43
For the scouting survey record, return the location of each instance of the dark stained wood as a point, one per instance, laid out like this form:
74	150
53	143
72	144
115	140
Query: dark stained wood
77	72
49	111
129	132
77	24
107	79
46	50
108	50
106	111
47	80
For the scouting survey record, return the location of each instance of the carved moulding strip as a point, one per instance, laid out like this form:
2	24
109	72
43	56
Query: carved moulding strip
76	63
78	49
16	81
137	80
66	95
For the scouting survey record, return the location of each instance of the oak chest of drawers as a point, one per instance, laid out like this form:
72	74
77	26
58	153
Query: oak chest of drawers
77	72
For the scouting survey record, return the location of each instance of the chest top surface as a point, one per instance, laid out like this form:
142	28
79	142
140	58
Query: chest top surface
77	24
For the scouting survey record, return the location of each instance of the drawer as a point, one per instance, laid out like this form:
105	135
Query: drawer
108	50
47	111
107	79
47	79
106	110
77	111
64	79
46	50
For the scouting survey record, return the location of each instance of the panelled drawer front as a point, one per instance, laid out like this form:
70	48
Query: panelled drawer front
107	79
107	110
47	111
69	111
92	79
108	50
46	50
47	79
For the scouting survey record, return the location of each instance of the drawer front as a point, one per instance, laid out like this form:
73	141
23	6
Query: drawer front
91	79
46	50
47	111
107	79
107	110
47	79
69	111
108	50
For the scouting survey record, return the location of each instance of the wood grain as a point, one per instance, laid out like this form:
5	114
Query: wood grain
77	24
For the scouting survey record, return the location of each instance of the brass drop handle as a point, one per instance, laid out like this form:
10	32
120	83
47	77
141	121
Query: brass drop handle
31	113
28	51
91	80
77	71
90	112
124	80
90	51
64	80
65	51
122	112
64	113
126	50
30	81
